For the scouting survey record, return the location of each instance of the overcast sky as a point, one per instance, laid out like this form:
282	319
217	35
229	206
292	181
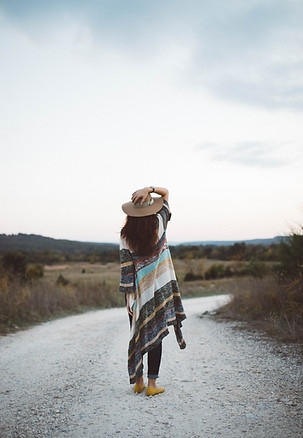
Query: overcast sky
101	97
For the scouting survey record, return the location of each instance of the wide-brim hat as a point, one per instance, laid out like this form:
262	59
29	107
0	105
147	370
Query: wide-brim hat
150	206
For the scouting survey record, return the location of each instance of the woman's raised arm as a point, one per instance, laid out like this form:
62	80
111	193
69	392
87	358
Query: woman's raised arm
141	194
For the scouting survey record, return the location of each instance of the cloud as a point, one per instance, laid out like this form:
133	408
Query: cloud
249	153
117	22
248	52
253	54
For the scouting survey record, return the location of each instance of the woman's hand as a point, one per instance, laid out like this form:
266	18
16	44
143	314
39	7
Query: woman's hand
140	195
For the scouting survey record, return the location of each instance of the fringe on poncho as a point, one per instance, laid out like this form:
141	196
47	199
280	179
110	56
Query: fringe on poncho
152	283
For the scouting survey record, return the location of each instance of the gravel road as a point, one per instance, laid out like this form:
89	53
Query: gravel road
68	378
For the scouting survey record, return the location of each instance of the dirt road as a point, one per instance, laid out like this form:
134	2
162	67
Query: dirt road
68	378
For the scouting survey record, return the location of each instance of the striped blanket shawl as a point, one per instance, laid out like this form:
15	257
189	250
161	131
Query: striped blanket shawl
156	298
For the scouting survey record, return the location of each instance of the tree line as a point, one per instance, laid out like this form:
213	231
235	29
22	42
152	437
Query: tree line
236	252
288	253
239	251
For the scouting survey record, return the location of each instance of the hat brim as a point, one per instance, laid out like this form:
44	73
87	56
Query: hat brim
138	211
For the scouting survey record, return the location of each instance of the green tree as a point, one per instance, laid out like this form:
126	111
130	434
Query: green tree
215	271
291	256
257	268
14	265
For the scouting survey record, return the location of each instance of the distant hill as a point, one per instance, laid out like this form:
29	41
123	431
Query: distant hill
265	242
36	243
33	243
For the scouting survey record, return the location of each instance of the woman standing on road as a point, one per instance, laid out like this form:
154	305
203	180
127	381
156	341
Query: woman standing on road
148	280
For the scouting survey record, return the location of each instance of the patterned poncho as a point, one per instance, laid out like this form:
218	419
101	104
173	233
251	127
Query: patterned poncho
152	283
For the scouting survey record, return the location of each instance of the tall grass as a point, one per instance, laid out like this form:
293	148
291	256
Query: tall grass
272	304
21	305
74	288
269	304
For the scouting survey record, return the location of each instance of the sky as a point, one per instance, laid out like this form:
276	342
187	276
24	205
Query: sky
99	98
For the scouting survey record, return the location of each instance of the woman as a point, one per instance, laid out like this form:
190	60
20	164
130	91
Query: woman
148	280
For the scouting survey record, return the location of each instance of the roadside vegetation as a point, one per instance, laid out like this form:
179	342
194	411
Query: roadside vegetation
265	282
33	293
272	301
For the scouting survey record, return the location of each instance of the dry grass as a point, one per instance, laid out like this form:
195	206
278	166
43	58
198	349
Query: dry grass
269	306
87	286
96	286
198	266
109	274
201	288
85	273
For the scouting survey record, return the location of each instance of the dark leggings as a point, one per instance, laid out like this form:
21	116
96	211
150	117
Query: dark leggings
153	358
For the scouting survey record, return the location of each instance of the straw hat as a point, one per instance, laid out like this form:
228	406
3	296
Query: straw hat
150	206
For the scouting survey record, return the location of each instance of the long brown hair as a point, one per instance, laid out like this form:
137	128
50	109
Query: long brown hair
141	234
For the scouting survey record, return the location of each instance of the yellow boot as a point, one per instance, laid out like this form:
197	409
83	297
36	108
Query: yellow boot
153	391
138	388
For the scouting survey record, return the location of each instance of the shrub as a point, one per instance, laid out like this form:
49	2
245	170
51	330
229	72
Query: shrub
275	306
276	302
190	276
291	256
14	265
257	269
62	281
215	271
34	272
228	272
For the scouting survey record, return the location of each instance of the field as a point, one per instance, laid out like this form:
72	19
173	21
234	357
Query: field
80	286
260	301
87	274
57	290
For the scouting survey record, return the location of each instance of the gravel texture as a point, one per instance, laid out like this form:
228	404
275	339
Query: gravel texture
68	378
